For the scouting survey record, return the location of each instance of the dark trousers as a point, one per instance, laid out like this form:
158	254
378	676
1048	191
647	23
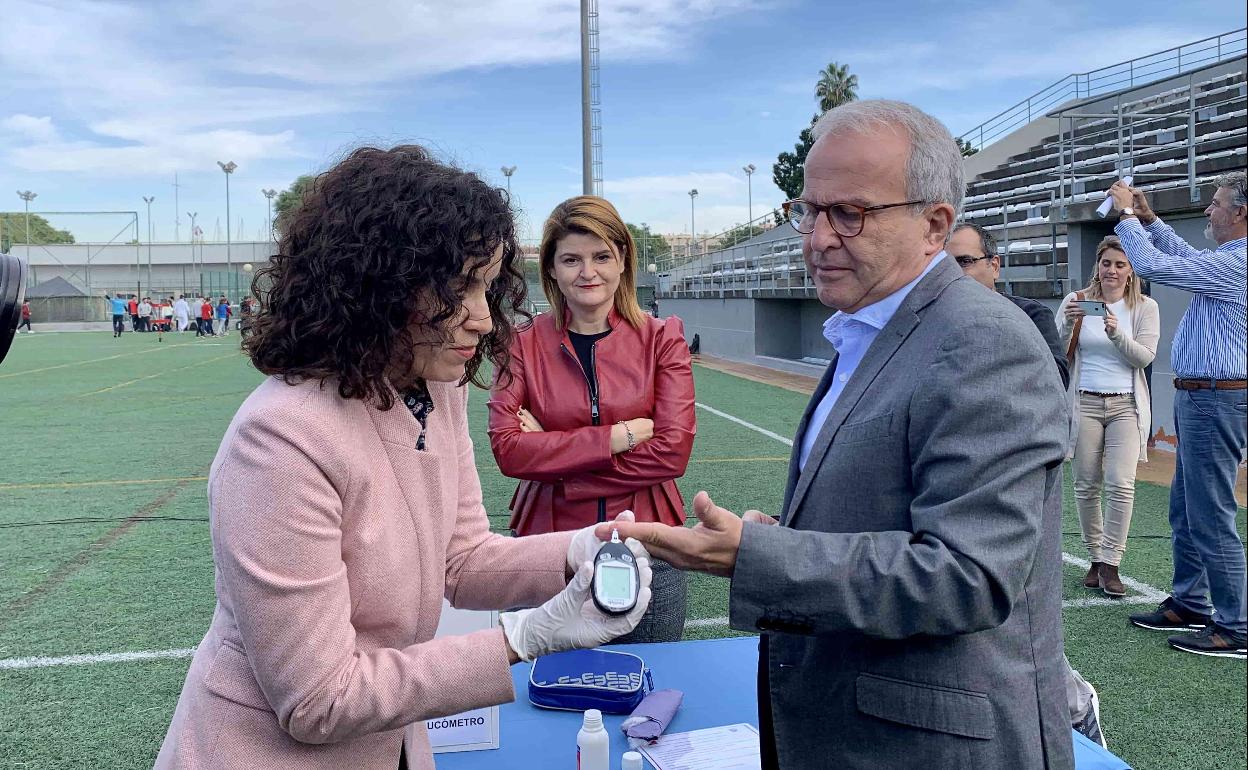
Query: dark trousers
25	322
205	324
119	325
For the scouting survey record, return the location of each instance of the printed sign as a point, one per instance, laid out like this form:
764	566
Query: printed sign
472	730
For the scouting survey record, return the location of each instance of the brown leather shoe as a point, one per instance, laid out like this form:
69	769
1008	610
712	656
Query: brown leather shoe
1111	584
1093	578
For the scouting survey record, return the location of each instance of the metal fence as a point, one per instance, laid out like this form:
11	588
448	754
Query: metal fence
1128	74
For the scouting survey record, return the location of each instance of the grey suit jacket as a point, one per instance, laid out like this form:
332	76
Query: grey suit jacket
910	600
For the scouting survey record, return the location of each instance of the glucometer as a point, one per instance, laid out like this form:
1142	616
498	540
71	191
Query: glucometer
616	578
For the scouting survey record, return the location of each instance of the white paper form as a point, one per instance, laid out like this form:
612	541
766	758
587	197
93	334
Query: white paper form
732	747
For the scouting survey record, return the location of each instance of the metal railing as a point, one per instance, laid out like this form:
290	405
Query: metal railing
1128	74
697	250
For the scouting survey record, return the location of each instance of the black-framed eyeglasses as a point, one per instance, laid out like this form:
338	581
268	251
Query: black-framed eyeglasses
847	219
968	261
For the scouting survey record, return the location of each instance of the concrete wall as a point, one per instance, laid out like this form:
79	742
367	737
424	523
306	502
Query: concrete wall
725	326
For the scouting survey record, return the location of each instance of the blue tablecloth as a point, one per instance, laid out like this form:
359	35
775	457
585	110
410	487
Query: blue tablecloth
717	677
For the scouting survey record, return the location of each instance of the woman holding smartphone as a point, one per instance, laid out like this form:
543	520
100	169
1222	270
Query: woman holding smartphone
598	416
1111	331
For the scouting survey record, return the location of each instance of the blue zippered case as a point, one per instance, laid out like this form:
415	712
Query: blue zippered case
612	682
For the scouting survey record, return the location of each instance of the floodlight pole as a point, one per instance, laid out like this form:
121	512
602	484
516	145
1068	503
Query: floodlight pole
27	196
587	152
228	167
749	170
693	231
148	201
270	193
507	172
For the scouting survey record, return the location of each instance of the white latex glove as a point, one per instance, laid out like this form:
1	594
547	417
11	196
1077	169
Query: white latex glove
570	620
585	544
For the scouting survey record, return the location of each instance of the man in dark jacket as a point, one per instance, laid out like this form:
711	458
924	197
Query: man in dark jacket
976	251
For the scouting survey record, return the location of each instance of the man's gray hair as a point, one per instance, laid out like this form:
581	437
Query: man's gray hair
934	172
1236	182
986	241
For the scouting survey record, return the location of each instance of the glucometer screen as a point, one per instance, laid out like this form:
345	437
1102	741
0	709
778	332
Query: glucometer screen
614	583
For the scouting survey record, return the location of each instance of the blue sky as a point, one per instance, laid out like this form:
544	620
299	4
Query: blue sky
102	102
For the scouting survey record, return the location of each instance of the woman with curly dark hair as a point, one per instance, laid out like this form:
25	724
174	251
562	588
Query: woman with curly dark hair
344	502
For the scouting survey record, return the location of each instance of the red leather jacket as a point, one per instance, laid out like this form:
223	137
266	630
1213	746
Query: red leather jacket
565	469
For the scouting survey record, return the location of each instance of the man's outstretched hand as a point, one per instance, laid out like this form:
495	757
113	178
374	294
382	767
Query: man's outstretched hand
710	546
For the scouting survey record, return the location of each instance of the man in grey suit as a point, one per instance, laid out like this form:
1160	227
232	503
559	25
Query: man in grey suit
909	599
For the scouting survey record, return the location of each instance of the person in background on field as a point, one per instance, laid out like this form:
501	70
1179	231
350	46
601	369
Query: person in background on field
25	317
133	308
205	319
182	312
975	251
117	305
166	314
145	315
1110	405
244	316
1209	357
223	314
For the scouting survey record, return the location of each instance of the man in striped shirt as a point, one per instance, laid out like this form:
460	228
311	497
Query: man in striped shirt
1210	361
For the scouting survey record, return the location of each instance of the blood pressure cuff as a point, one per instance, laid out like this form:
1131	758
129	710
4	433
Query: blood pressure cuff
612	682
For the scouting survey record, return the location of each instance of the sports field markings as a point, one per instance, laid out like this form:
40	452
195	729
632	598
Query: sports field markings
706	460
92	361
157	374
81	559
38	661
1148	594
106	483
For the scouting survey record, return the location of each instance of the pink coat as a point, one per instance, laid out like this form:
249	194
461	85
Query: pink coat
335	541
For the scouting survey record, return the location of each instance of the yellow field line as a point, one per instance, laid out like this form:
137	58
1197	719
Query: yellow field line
94	360
741	460
119	482
157	374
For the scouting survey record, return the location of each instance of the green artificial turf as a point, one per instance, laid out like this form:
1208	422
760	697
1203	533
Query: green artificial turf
106	429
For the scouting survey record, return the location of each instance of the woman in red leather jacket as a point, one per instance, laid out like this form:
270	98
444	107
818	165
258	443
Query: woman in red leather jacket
597	416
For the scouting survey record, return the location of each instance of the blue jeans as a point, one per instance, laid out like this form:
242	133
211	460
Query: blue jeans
1208	554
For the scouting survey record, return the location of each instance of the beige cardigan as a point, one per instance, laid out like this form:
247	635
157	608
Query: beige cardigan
1139	352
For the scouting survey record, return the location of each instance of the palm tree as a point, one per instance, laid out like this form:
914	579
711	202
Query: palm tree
836	86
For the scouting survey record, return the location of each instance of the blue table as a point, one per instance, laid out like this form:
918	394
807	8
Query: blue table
717	677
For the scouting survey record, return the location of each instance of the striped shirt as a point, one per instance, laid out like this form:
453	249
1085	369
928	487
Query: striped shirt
1212	339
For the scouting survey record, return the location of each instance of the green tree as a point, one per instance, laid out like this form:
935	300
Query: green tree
836	86
288	200
788	172
649	245
13	230
964	146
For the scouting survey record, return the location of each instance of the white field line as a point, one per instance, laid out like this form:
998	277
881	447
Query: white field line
83	660
1154	595
1149	594
739	421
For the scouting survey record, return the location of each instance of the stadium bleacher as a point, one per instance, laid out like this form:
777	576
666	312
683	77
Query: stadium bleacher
1181	130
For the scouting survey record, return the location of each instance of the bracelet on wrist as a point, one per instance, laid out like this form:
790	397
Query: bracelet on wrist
628	433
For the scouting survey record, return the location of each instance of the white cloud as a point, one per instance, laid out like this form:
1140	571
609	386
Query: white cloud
30	127
335	42
141	88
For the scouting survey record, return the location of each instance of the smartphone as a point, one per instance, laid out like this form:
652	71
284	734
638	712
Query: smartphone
1091	306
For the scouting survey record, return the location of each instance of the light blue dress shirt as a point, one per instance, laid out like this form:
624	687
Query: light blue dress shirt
852	334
